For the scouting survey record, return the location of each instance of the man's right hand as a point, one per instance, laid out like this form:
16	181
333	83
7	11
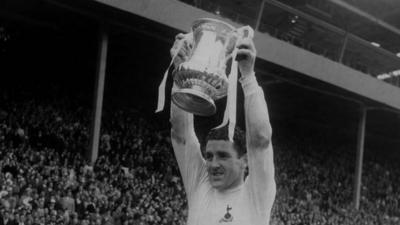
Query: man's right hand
184	51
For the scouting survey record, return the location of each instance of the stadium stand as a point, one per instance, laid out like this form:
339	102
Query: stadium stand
45	179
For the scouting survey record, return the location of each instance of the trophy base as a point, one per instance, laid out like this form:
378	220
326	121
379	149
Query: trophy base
194	101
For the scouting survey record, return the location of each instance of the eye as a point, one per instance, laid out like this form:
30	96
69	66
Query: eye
223	155
208	156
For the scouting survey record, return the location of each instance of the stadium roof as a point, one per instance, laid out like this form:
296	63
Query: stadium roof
319	26
361	17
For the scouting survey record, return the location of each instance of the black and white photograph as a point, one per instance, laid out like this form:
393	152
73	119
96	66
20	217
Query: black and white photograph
199	112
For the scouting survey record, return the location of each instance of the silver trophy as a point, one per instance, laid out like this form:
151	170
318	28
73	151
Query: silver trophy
202	79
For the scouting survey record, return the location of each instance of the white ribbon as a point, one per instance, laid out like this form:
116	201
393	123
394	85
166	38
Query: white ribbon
161	88
230	109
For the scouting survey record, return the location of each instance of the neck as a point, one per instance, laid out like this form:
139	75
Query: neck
234	186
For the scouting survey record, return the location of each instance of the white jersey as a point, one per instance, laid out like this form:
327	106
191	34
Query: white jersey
234	207
248	204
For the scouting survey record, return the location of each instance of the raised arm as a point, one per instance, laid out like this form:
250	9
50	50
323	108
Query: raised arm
182	129
184	141
258	132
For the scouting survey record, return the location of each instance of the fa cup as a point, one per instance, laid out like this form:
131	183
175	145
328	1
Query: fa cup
202	79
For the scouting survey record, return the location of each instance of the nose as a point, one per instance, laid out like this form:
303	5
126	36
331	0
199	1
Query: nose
214	163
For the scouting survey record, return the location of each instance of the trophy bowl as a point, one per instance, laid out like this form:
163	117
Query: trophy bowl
202	78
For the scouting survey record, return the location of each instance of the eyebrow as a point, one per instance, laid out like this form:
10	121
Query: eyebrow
222	153
217	152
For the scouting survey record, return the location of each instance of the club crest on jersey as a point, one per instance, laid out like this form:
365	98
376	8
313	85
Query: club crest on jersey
227	217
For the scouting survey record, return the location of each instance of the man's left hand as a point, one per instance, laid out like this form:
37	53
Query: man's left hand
246	56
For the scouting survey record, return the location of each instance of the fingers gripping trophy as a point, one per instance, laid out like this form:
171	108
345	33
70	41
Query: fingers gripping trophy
217	189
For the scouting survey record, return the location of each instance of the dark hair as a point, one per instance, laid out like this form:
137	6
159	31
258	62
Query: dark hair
239	138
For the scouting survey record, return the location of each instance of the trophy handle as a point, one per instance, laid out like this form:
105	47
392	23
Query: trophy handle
187	39
242	32
245	32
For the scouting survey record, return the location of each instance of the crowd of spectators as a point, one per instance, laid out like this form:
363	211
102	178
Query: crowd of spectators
315	185
45	178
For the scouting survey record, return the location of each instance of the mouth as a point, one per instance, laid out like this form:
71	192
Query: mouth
216	175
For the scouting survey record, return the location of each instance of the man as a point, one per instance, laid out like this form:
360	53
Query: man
216	188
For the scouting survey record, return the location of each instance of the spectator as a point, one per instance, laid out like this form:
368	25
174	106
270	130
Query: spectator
44	178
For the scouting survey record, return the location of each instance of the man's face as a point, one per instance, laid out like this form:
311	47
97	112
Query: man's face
225	168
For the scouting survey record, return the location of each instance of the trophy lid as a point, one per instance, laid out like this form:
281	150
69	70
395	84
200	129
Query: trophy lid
200	21
214	25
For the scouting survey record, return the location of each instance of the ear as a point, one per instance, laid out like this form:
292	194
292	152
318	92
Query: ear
244	161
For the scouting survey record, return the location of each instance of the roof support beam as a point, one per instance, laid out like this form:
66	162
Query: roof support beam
98	95
259	16
360	157
344	46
